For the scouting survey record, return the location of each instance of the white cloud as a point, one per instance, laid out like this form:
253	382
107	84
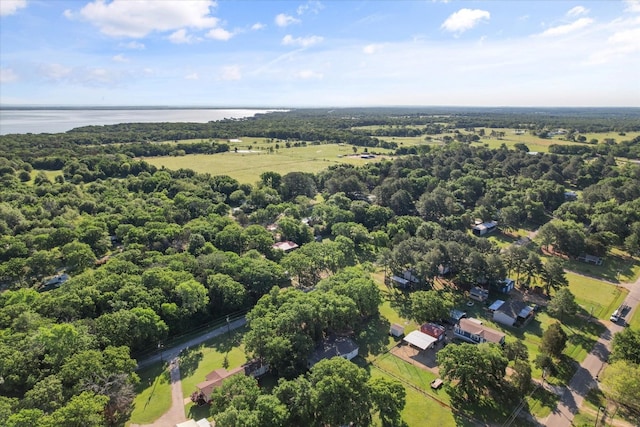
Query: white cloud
134	45
258	26
7	75
283	20
561	30
55	71
465	19
231	72
577	11
289	40
138	18
308	74
181	37
120	58
633	6
192	76
219	34
9	7
311	6
370	49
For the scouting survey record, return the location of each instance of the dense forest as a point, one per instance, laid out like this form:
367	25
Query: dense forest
103	262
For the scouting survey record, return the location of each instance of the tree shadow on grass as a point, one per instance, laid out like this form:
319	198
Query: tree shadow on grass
374	337
545	398
189	361
197	412
565	368
494	408
401	302
227	342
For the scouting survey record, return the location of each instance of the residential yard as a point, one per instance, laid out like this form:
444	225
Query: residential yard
617	267
197	362
597	298
153	395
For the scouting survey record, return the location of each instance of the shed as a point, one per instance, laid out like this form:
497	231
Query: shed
436	331
505	285
420	340
396	330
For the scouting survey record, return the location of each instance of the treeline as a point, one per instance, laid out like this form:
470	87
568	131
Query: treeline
152	253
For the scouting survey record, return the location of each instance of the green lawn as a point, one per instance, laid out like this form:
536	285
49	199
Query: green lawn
199	361
597	298
421	410
51	175
153	395
246	167
617	267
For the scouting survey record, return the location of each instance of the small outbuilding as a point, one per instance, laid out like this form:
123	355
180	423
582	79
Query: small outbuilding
420	340
396	330
436	331
505	285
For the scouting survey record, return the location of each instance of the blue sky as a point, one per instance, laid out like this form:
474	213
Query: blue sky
320	53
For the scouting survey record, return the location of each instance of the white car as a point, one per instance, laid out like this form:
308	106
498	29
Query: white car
615	316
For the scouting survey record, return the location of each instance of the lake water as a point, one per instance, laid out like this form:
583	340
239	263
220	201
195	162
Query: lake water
62	120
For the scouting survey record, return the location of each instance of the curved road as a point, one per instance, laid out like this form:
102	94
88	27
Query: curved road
584	378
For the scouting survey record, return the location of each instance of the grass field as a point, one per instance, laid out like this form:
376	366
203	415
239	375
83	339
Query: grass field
51	175
596	297
246	167
153	395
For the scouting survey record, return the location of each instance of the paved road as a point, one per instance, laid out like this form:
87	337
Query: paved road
174	352
584	378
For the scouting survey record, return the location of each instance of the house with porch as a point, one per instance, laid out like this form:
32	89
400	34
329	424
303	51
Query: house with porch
473	331
512	312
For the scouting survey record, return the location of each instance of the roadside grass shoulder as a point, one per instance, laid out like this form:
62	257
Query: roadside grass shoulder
153	394
597	298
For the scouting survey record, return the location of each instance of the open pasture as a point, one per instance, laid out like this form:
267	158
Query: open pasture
247	165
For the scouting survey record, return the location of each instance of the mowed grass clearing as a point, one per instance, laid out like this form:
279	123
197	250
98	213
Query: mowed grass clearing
246	166
197	362
153	395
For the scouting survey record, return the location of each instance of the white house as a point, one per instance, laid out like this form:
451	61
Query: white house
474	331
485	228
511	312
333	346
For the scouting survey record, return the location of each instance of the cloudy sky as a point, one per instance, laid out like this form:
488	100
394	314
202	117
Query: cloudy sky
320	53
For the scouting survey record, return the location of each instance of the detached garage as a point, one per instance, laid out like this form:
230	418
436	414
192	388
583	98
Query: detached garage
420	340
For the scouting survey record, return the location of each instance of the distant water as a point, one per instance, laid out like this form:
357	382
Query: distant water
56	120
